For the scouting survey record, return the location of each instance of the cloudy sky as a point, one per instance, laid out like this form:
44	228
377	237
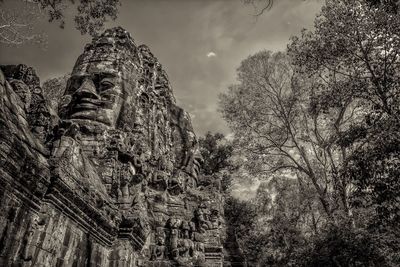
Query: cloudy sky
200	43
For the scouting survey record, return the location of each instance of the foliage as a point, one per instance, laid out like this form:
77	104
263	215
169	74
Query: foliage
326	115
260	6
375	171
17	23
344	246
353	54
276	223
289	216
269	112
217	153
90	17
241	215
391	6
275	229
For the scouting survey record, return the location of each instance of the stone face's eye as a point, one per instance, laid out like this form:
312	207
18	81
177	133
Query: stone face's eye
106	84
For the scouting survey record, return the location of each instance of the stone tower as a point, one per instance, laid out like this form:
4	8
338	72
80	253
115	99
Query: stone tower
112	179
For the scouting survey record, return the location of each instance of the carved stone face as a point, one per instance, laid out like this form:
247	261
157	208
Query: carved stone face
97	93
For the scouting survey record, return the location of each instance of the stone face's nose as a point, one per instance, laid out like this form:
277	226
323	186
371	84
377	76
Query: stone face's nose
87	90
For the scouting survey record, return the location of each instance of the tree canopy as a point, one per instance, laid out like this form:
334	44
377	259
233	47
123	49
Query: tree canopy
323	117
16	24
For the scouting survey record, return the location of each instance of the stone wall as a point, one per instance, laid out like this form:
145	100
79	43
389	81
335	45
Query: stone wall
112	178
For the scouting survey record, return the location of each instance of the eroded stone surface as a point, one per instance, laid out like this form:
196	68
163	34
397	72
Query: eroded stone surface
114	180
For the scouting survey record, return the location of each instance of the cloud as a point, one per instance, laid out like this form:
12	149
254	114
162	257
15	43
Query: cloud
211	54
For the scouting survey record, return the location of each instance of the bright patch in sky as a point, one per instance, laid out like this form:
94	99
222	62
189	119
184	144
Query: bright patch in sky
211	54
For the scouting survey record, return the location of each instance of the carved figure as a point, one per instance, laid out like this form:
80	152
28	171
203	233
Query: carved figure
206	219
158	250
176	183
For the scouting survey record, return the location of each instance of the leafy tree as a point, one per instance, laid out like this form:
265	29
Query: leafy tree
341	246
216	152
269	113
328	114
90	17
375	172
391	6
240	214
217	155
288	217
16	21
241	218
277	223
261	6
16	25
353	57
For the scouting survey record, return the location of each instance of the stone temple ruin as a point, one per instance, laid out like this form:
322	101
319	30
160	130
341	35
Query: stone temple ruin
112	178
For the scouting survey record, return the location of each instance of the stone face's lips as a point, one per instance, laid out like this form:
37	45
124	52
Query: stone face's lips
83	106
87	103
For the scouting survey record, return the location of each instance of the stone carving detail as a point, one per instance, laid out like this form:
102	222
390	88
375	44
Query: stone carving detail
26	85
120	167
